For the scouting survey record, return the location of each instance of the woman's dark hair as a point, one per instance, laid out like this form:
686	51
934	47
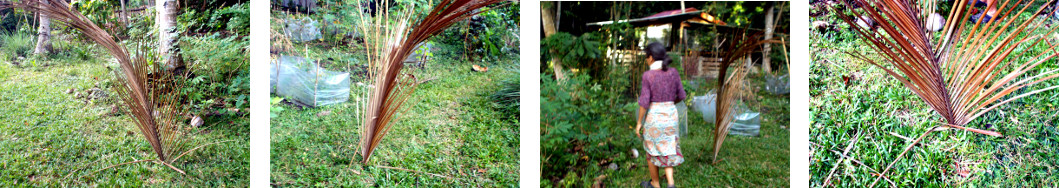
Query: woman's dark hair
658	52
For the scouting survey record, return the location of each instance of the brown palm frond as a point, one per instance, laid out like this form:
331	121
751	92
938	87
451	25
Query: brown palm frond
731	87
389	39
970	68
967	71
146	90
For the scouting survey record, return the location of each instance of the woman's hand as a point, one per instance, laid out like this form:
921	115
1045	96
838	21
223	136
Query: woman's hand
638	126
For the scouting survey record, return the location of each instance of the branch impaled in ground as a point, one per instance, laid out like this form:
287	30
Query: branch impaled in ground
146	91
731	86
389	38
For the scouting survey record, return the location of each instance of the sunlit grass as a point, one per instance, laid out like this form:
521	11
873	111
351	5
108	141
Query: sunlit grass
451	128
50	138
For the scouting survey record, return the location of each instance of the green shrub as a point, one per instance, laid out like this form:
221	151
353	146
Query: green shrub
234	19
582	123
487	34
221	68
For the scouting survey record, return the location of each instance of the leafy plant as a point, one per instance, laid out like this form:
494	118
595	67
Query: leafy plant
573	49
223	66
274	107
966	71
580	124
234	19
488	34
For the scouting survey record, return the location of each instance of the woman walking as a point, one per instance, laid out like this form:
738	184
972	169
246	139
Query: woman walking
660	89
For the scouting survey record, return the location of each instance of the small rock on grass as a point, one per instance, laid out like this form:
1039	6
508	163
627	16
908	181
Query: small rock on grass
196	121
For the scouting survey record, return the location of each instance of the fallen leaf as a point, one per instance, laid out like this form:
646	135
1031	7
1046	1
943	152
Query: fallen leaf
324	113
479	68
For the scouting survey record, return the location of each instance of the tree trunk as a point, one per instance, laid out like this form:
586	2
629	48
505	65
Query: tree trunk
43	34
548	20
167	36
766	49
123	14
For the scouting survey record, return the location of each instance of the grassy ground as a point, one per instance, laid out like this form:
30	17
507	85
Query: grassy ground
761	161
882	112
50	138
450	128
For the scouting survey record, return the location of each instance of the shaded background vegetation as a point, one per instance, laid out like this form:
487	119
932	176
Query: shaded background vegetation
587	119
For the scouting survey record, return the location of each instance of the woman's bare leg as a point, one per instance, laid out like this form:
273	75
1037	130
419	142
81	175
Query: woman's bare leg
669	175
653	170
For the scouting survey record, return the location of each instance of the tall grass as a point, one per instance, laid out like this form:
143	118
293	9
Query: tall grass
16	44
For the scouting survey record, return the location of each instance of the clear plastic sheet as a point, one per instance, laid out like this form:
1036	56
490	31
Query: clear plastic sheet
777	85
303	81
301	30
746	122
682	114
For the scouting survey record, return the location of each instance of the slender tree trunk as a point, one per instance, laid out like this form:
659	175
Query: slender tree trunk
43	34
548	20
766	49
167	36
123	14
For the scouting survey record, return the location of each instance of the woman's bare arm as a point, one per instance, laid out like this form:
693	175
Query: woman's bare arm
639	120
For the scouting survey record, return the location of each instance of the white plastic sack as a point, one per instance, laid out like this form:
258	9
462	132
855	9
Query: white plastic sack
303	81
745	122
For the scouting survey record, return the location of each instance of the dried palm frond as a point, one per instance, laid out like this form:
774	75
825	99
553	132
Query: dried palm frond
970	68
147	92
389	39
731	87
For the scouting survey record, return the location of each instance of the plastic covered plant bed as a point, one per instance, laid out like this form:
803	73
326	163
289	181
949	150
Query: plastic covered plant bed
301	30
303	81
746	122
777	84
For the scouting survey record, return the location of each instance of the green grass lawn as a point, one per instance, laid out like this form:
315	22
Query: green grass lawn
882	111
49	138
761	161
450	127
